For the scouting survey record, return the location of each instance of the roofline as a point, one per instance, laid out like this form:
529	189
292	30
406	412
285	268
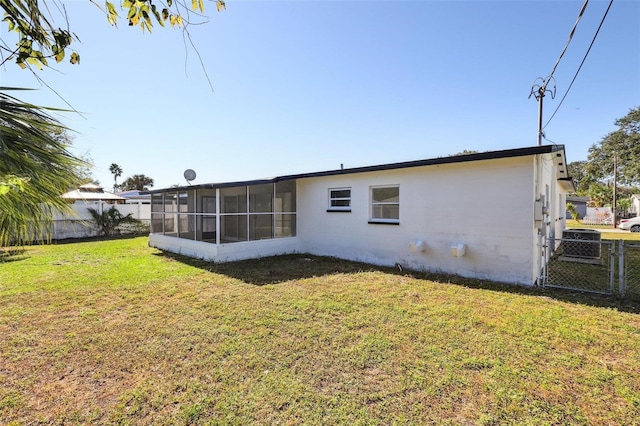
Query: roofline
489	155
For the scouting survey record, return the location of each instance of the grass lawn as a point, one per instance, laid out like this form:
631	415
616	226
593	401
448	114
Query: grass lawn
606	232
114	332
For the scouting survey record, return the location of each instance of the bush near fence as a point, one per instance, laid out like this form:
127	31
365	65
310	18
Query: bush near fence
78	222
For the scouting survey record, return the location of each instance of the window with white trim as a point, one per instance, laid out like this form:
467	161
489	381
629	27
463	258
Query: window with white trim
385	204
340	199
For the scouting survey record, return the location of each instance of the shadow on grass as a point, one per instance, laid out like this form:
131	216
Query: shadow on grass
279	269
99	238
12	255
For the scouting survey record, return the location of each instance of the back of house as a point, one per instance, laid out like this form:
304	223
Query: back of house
484	215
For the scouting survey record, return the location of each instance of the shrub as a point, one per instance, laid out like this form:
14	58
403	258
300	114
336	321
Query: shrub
572	210
110	222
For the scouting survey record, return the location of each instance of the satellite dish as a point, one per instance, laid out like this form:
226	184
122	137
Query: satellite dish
189	175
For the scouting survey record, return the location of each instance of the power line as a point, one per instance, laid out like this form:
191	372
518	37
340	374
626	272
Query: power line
573	30
549	140
580	67
538	91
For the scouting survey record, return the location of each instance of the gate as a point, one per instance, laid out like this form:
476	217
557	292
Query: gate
582	265
603	266
630	270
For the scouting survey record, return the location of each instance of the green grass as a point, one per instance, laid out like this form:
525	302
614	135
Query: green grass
114	332
606	232
595	277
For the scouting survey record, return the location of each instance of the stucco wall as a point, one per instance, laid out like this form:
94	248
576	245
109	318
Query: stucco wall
224	252
487	205
553	210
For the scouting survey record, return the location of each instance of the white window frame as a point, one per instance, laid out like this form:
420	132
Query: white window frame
333	208
372	219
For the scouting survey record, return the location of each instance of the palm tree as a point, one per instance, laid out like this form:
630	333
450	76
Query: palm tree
35	169
109	221
117	172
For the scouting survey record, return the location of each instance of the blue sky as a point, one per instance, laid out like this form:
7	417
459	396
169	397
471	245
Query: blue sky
302	86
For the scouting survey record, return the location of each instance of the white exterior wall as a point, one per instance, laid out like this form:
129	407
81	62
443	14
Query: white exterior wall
552	205
224	252
502	210
635	204
486	205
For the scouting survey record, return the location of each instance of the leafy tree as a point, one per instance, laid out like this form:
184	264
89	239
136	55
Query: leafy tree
464	152
139	182
35	169
40	39
600	194
623	205
109	222
619	150
116	171
83	171
581	179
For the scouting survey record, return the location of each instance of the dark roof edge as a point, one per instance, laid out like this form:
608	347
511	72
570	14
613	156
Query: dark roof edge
489	155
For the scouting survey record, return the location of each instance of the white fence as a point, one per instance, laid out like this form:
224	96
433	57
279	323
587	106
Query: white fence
598	216
78	223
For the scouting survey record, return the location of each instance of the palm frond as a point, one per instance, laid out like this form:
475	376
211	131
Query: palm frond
36	167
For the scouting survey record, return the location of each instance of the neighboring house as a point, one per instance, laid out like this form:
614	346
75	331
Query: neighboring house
92	192
635	205
484	215
135	197
78	222
580	203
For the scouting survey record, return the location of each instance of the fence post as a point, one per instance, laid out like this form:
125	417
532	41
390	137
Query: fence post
612	267
621	277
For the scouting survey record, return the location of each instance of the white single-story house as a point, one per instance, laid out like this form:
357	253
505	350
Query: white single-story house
635	205
134	196
485	215
580	204
90	192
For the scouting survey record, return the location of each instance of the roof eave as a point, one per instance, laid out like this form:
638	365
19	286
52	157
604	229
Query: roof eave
490	155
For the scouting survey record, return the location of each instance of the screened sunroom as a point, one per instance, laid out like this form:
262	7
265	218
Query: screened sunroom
228	213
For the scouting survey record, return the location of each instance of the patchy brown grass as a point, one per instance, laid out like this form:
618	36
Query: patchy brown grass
114	332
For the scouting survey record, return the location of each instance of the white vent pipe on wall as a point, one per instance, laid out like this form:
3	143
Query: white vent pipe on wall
416	246
458	250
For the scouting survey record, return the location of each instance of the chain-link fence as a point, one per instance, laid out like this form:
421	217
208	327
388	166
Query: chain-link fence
591	265
584	265
630	281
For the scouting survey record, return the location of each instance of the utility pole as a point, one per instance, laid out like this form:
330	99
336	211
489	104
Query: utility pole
615	190
538	91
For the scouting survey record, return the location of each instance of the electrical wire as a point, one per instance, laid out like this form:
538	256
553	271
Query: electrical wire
573	30
539	91
580	67
549	140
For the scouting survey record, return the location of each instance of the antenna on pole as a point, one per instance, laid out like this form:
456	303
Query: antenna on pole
538	90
